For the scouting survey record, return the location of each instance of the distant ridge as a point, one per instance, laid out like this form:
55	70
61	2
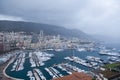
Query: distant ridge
17	26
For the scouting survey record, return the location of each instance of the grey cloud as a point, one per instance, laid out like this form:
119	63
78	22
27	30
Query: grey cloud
92	16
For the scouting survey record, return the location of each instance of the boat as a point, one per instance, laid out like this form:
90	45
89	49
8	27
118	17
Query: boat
38	58
58	50
18	64
42	77
30	75
79	61
81	49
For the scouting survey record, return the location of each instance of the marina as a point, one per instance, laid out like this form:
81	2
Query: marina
79	61
46	65
109	53
37	58
53	72
69	68
38	74
18	64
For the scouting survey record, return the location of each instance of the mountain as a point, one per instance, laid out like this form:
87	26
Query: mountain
17	26
107	39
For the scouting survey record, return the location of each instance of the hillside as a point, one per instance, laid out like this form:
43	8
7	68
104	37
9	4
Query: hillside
17	26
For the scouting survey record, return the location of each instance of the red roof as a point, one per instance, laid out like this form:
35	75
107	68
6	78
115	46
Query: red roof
75	76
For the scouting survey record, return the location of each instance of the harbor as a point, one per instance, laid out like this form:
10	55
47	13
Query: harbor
50	64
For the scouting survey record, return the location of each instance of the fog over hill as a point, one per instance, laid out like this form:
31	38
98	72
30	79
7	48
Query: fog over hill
17	26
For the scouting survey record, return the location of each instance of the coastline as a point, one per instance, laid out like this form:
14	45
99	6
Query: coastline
4	73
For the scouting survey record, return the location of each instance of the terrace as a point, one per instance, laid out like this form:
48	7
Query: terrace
112	71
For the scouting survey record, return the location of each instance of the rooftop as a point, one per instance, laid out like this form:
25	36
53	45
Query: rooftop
75	76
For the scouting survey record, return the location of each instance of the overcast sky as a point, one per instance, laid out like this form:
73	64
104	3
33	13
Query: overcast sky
96	17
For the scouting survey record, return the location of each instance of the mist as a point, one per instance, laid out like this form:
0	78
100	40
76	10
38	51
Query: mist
95	17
